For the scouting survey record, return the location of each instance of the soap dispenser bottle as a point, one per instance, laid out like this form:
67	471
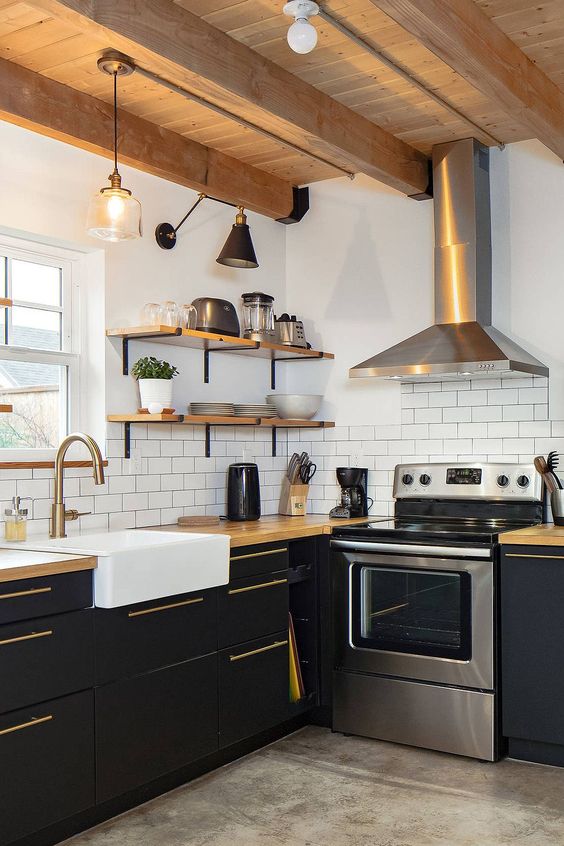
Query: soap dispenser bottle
15	525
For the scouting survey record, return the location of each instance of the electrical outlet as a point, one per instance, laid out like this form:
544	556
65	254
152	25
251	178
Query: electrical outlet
357	456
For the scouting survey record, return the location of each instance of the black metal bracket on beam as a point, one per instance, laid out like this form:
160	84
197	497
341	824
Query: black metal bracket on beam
125	345
300	207
427	194
224	348
289	358
127	440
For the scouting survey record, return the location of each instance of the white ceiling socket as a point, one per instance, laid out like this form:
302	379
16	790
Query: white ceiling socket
302	35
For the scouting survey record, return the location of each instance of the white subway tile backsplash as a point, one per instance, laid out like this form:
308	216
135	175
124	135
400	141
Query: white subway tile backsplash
473	398
486	414
503	430
443	430
443	399
457	414
473	430
108	503
417	400
533	395
427	415
518	412
505	396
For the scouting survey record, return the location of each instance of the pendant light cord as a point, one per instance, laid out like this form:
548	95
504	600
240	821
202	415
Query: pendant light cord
115	123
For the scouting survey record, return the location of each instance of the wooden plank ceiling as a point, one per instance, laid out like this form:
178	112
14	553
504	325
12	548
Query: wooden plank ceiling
48	44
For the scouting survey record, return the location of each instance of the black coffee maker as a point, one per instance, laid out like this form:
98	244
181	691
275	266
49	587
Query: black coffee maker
354	498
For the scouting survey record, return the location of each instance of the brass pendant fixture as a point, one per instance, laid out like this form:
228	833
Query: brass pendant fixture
114	214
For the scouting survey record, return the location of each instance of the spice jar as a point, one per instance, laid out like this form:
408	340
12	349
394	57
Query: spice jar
15	526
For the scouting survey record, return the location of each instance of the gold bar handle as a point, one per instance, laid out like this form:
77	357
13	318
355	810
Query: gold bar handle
33	722
530	555
275	645
257	587
32	636
32	592
259	554
158	608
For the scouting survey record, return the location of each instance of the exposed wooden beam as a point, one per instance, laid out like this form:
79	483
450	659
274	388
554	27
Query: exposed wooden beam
50	108
463	36
183	48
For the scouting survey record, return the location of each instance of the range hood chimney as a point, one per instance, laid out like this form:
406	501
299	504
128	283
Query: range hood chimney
462	343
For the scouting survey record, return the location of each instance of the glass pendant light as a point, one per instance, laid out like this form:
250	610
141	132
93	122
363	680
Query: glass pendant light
114	214
238	250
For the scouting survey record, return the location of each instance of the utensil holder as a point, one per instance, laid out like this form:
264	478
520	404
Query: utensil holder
557	505
293	499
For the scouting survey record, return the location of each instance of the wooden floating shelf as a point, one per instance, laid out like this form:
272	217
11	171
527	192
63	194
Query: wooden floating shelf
5	302
6	409
193	339
272	423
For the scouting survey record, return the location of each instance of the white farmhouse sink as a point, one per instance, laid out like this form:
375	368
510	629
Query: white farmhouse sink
135	566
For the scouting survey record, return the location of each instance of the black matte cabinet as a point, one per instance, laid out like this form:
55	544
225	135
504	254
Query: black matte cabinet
151	724
47	764
253	687
532	638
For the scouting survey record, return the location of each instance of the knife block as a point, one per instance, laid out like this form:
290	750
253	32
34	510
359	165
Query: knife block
293	499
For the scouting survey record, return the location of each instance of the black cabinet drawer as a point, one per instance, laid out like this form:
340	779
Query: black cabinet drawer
28	598
45	658
153	724
254	560
47	764
252	607
142	637
253	687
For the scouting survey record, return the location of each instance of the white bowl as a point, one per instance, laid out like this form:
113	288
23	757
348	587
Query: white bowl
296	406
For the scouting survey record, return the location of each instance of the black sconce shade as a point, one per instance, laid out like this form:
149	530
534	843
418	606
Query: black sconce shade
238	250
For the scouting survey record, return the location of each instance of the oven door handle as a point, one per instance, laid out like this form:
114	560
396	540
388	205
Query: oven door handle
413	549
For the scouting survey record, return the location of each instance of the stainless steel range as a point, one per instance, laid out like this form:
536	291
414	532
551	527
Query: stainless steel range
415	602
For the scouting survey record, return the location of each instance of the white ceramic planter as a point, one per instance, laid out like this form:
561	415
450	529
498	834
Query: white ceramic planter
155	391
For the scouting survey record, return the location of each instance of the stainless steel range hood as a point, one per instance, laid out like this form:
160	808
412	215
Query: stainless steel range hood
462	343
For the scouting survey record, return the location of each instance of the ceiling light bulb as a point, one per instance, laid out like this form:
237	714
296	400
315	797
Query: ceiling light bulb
302	35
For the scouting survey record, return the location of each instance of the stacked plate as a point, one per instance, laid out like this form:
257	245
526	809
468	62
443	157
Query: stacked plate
254	410
212	409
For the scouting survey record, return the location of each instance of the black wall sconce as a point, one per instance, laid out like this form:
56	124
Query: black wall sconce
238	250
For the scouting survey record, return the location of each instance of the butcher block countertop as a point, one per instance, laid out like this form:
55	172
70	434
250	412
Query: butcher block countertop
271	528
545	534
24	564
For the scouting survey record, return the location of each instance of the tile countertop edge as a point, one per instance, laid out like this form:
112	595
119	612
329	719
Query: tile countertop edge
25	564
545	534
272	528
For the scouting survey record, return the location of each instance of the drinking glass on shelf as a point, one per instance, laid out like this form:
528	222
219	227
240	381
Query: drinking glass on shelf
188	316
150	314
169	315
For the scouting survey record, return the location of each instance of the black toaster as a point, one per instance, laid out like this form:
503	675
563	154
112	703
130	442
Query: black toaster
217	316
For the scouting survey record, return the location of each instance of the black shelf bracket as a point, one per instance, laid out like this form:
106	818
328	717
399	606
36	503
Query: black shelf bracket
274	437
125	346
127	440
208	440
273	361
223	348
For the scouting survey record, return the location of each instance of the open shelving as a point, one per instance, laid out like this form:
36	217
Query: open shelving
210	342
273	423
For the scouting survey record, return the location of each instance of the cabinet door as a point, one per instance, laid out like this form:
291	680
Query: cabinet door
153	724
47	764
532	603
254	560
142	637
252	607
45	658
253	687
26	599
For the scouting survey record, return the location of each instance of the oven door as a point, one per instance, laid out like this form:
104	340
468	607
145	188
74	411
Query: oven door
419	616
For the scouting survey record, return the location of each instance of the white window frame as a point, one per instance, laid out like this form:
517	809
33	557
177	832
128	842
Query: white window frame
70	262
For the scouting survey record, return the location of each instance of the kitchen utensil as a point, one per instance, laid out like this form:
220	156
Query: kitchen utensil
187	316
168	314
150	314
217	316
557	505
243	492
552	461
289	331
293	467
296	406
199	520
307	472
258	316
548	477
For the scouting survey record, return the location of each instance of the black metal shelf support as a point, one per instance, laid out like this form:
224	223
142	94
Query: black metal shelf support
224	348
273	362
127	440
125	346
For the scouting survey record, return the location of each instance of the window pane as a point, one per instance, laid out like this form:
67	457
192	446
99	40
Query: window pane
36	392
32	327
36	283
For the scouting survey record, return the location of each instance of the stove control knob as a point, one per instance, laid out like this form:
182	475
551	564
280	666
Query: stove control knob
425	479
407	479
523	481
503	481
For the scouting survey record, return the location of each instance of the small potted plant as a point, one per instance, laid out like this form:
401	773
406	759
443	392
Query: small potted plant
155	382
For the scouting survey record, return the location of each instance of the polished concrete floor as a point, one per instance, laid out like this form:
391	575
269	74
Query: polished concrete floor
316	788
